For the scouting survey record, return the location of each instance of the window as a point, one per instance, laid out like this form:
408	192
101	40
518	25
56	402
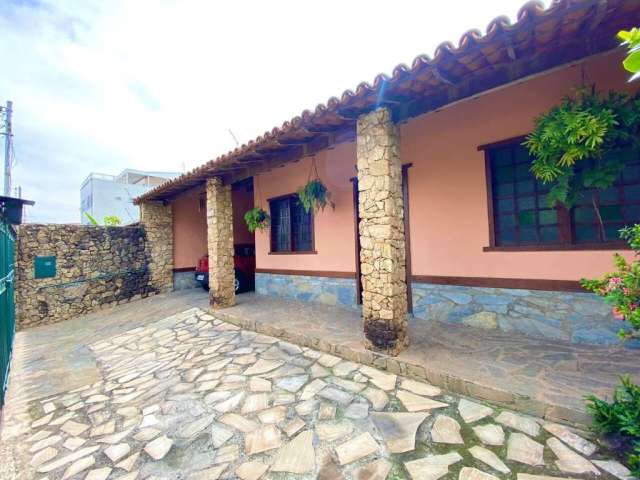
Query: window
291	226
520	214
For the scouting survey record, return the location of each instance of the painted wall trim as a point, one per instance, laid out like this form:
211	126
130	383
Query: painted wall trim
308	273
515	283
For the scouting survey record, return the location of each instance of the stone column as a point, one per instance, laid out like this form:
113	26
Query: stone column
220	241
382	254
157	220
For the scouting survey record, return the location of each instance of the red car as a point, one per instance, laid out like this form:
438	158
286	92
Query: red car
244	261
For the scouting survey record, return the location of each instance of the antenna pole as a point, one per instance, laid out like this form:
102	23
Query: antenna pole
7	149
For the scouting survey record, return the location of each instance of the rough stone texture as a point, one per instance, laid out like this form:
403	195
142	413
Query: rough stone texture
157	220
566	316
220	240
330	291
95	267
184	281
382	254
155	422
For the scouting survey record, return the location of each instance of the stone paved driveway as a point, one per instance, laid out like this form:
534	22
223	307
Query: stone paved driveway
192	397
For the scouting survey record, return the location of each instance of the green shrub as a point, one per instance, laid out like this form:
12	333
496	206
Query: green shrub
621	288
620	417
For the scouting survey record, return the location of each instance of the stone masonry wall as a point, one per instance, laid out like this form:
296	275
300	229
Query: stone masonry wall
566	316
95	266
382	256
157	220
220	240
330	291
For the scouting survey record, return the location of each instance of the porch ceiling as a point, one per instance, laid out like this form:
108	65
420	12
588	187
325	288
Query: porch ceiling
540	39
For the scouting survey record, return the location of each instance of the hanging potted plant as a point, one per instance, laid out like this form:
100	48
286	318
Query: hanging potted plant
314	195
257	218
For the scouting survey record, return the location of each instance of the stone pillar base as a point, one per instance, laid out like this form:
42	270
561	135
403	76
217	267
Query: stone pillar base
383	337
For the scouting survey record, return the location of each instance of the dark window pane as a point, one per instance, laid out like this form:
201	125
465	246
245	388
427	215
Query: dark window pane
504	174
523	171
549	234
300	227
521	155
548	217
632	193
280	239
543	201
584	214
501	157
505	205
612	231
507	236
526	203
611	213
503	189
527	218
632	213
610	196
631	173
528	234
586	233
523	188
506	221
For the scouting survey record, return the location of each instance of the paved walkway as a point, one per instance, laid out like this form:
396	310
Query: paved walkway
537	376
192	397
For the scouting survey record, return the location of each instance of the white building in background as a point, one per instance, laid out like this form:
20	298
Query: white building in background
102	195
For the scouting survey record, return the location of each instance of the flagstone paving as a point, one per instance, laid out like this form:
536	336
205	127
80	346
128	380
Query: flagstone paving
192	397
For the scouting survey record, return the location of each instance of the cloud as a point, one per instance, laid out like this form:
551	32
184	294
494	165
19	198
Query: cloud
102	86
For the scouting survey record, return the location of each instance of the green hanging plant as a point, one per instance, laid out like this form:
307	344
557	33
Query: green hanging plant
314	196
257	219
583	144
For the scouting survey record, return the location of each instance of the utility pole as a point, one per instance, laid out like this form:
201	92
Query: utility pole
7	148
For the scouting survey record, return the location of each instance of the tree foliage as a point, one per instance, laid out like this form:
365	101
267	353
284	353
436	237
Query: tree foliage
631	39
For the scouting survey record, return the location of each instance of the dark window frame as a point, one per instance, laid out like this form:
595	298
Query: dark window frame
566	239
292	250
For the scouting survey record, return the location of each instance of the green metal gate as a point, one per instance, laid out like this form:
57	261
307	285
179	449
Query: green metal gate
7	307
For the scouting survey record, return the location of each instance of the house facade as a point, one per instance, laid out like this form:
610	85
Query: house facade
436	212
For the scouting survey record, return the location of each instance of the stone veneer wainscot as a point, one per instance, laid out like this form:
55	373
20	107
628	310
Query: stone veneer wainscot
330	291
567	316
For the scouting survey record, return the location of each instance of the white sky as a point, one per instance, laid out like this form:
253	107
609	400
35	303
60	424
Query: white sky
99	86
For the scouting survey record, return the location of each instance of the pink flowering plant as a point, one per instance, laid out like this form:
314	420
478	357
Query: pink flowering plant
621	288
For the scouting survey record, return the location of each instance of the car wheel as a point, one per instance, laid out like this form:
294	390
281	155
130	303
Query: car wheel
240	282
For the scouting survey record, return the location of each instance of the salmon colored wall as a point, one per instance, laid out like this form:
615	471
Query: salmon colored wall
242	202
334	230
448	202
189	229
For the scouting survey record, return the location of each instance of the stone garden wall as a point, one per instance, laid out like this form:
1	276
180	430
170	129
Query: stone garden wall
94	267
330	291
567	316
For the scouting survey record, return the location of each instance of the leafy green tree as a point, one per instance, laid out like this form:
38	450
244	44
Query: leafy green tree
583	144
631	39
111	221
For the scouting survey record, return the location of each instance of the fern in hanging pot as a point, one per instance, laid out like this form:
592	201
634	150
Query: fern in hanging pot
257	219
314	196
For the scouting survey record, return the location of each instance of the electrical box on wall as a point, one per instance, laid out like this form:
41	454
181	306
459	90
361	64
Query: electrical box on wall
44	267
